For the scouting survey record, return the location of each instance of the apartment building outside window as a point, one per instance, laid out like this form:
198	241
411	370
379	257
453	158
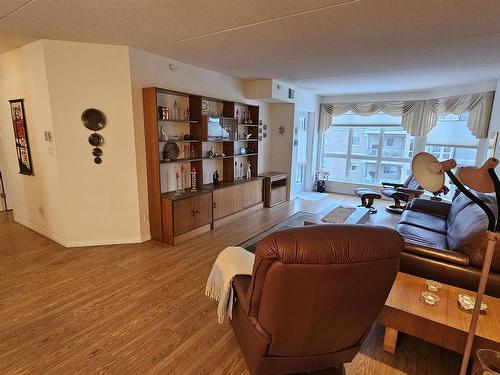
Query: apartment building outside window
375	149
367	149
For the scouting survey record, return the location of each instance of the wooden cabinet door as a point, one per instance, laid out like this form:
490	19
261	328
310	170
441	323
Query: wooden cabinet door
224	202
183	216
217	204
253	193
202	210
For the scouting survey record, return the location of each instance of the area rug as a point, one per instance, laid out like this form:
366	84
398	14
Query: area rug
311	195
338	215
296	220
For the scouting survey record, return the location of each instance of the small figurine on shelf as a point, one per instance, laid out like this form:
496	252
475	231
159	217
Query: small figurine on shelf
236	175
241	171
249	170
186	114
185	153
163	133
215	177
176	111
244	117
238	116
193	179
210	152
192	151
177	184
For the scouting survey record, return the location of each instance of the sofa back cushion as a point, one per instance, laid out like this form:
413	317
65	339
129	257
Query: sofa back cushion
467	226
457	205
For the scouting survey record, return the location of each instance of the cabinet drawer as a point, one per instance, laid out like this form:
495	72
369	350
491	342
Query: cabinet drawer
278	195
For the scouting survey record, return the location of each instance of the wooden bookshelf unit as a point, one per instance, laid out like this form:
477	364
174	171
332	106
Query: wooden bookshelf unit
190	124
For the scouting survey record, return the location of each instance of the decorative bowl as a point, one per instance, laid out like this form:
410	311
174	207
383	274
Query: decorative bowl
467	302
432	285
429	298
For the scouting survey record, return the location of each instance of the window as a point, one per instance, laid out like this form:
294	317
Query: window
367	149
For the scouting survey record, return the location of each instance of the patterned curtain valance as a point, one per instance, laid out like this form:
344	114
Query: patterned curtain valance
420	116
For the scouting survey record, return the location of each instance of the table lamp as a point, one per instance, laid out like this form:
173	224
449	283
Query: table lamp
429	172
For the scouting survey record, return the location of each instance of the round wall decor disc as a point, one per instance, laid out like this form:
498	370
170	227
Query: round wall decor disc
96	139
93	119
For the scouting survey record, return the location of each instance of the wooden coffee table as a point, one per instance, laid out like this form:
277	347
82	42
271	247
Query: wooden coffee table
444	325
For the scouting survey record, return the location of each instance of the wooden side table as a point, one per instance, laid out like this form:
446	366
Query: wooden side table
275	188
444	325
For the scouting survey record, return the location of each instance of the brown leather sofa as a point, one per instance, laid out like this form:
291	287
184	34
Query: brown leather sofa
313	296
447	242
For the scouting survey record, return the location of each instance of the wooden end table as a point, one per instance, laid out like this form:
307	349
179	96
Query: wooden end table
444	325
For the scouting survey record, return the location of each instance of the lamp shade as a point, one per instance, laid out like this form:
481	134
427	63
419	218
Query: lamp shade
428	171
478	178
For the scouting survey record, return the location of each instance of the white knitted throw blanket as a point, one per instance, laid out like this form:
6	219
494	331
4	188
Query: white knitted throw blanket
230	262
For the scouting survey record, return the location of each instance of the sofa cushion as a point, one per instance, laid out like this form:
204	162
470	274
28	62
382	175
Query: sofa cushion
467	233
421	236
457	205
423	220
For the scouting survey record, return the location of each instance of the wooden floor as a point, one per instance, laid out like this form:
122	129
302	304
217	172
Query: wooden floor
135	309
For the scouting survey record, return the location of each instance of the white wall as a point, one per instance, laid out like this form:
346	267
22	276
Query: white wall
35	198
70	199
100	201
150	70
304	102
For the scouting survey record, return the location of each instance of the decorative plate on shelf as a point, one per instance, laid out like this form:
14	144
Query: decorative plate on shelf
172	150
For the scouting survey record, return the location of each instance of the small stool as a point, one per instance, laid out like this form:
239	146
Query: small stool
367	197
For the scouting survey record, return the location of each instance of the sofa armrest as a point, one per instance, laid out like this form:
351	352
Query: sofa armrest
439	254
428	206
241	284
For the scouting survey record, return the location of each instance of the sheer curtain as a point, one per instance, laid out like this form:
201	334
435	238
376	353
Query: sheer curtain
420	116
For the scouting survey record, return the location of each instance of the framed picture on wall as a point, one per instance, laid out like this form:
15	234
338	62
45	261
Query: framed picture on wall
21	136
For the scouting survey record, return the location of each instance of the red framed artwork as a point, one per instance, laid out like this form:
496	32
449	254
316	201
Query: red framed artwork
21	136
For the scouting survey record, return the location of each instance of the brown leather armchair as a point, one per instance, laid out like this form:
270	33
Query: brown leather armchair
401	192
313	296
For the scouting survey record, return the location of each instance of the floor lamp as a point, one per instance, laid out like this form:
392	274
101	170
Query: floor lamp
429	173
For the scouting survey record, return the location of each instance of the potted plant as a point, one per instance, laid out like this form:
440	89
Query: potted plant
320	178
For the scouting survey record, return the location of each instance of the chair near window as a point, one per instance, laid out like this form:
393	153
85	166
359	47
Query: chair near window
404	192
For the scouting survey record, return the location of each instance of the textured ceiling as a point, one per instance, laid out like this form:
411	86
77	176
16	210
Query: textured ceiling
327	46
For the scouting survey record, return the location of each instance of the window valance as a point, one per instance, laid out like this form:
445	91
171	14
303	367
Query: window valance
420	116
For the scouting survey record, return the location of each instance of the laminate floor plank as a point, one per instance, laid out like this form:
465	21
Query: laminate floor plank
141	308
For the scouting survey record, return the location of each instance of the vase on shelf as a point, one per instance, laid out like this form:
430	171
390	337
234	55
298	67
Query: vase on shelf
176	111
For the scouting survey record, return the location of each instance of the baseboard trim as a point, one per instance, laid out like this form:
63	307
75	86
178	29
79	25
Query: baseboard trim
46	233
